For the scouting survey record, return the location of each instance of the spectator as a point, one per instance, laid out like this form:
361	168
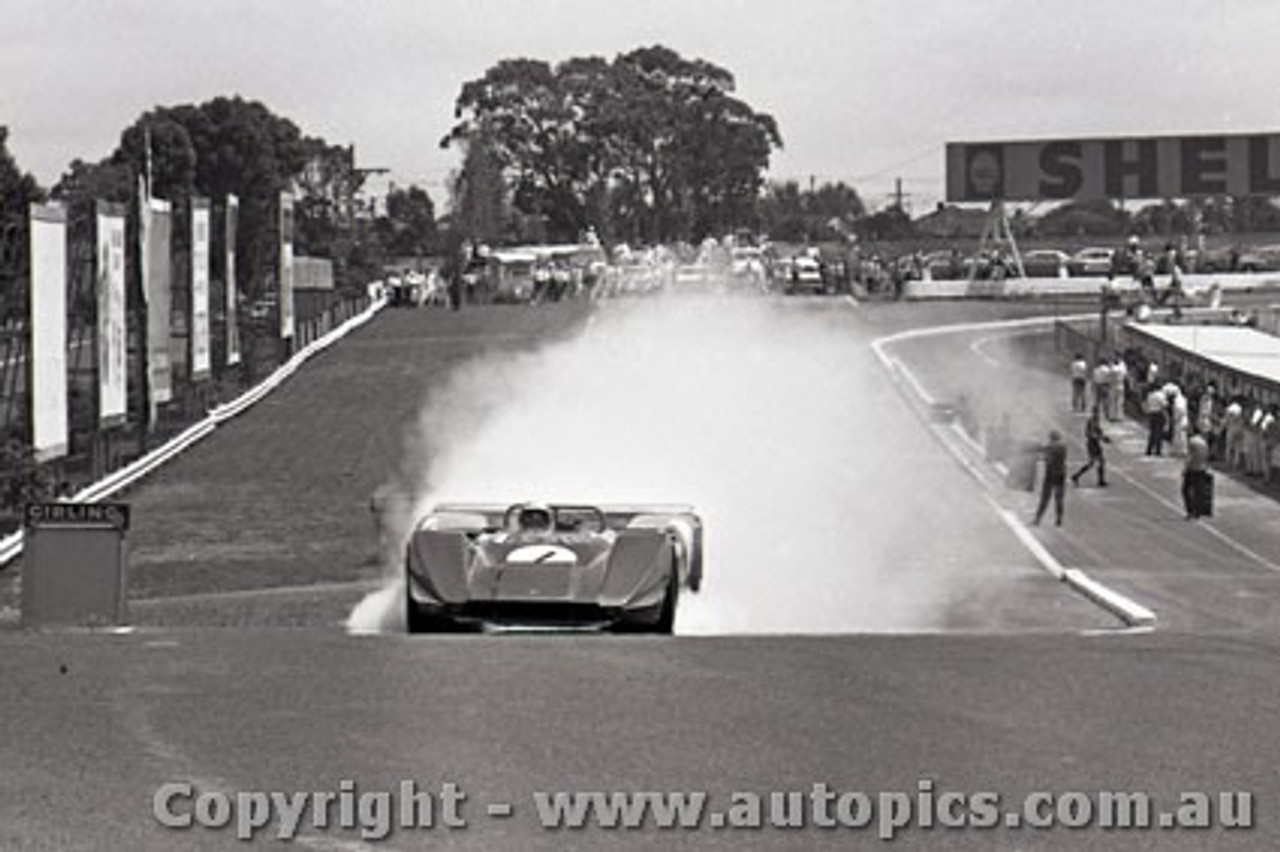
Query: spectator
1102	383
1119	384
1155	407
1233	435
1254	459
1178	423
1271	441
1079	378
1203	419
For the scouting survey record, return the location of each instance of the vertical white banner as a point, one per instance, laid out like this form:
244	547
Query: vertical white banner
112	352
159	296
286	265
233	289
201	358
48	331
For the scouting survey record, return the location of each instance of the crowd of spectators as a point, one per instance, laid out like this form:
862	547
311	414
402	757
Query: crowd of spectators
1242	431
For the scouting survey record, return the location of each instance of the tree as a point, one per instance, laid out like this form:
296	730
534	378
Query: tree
83	183
650	144
828	212
520	110
1098	217
892	223
409	228
686	151
17	188
480	194
324	203
226	145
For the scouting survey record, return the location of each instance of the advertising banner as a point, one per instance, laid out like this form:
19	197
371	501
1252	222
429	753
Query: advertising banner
232	289
159	293
201	357
48	331
1139	167
112	351
286	265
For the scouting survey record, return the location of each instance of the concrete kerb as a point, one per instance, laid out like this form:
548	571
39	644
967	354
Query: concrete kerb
1127	610
11	546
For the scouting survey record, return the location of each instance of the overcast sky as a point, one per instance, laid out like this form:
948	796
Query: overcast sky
863	90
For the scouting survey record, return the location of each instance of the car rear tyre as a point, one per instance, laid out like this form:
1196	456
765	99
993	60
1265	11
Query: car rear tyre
666	623
419	621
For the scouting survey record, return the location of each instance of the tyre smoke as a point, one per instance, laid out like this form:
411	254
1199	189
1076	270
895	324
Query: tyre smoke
756	411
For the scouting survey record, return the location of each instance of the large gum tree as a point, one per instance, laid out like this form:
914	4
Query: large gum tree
650	146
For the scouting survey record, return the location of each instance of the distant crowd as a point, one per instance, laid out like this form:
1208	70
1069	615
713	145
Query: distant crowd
1242	433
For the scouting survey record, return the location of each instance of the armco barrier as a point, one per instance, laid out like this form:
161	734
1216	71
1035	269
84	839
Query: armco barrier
11	546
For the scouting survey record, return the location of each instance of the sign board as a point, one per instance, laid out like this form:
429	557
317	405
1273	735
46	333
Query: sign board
49	331
112	343
201	357
73	563
1138	167
286	265
232	301
157	292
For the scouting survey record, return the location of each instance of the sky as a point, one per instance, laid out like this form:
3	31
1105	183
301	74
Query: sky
864	91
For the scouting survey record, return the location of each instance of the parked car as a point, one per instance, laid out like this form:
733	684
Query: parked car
804	274
944	265
1091	261
1045	263
1259	259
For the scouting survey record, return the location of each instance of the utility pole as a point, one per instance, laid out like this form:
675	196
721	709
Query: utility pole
354	180
899	197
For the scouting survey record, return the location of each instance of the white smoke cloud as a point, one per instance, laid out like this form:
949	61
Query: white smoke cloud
755	411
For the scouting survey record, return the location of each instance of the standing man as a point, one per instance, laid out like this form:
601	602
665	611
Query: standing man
1197	480
1119	387
1055	477
1079	378
1154	406
1102	383
1093	440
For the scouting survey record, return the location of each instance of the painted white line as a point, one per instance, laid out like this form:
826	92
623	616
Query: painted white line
979	346
916	387
1046	559
1124	631
1203	524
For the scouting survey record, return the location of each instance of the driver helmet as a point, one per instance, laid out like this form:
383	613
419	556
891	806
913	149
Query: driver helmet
535	517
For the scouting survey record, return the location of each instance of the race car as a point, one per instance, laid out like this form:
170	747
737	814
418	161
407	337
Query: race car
558	566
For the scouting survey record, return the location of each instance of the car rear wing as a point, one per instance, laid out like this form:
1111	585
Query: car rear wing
617	515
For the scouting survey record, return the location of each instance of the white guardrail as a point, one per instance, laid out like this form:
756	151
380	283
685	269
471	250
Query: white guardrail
113	483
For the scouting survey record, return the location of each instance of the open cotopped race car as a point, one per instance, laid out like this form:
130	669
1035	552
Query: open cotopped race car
556	566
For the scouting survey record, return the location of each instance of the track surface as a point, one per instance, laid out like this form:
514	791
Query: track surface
1032	688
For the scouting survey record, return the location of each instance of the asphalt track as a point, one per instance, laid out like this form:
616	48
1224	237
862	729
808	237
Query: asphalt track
1015	685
